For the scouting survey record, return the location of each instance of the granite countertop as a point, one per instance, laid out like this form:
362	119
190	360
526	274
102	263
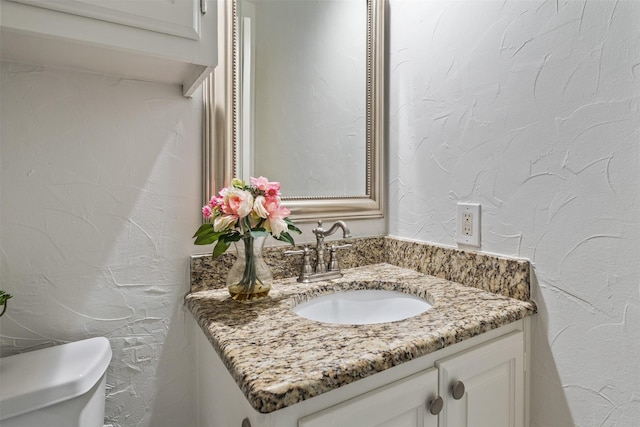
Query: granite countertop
279	358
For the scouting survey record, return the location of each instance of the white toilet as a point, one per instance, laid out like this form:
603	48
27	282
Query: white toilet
61	386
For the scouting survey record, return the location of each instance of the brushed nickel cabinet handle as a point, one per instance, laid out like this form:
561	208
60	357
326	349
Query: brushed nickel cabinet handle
435	405
457	390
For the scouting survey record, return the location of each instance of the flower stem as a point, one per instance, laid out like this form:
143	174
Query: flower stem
249	276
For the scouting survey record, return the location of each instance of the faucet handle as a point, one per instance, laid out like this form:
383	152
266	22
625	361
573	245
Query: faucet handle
319	231
306	270
336	247
333	258
305	249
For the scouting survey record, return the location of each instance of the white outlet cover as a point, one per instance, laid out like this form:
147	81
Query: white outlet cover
474	238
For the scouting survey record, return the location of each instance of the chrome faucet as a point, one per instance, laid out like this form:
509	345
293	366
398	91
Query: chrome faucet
320	271
321	233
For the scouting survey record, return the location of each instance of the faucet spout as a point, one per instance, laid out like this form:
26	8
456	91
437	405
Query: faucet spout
321	233
339	224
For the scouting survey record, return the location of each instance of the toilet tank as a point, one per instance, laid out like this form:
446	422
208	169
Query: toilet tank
61	386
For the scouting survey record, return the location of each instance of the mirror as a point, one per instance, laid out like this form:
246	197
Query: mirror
299	99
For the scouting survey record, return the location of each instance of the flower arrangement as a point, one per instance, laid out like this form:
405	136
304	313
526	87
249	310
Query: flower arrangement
240	211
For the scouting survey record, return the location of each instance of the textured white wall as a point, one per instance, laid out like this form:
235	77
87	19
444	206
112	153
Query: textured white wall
531	109
528	107
100	191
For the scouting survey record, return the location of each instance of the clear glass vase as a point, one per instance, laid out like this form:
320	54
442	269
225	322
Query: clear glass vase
250	277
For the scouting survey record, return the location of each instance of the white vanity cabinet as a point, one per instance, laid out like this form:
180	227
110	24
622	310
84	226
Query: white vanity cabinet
480	387
484	386
490	366
153	40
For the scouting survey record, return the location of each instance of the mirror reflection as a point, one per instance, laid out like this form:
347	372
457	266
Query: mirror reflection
302	91
298	96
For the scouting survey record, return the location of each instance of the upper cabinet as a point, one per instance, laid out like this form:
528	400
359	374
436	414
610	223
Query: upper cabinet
154	40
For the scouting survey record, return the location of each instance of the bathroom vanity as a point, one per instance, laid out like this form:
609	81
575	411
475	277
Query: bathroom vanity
463	362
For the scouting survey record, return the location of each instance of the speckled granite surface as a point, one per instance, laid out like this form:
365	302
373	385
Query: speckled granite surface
207	273
278	358
505	276
501	275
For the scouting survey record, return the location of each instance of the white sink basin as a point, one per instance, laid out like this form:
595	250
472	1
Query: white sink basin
362	307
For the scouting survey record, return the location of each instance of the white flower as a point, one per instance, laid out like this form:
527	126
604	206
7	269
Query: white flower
258	207
277	225
224	222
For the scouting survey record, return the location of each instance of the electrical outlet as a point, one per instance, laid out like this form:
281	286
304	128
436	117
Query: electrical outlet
468	224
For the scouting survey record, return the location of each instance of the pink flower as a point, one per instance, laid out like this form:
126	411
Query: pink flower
237	202
273	189
260	183
207	211
275	209
277	213
216	201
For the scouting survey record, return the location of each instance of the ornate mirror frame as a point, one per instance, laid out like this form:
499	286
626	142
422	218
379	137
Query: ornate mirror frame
220	123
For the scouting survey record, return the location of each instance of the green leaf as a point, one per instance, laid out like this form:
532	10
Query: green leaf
207	236
204	229
232	236
4	297
286	237
291	226
207	240
220	248
294	228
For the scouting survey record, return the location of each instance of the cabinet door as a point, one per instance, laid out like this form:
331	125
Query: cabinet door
493	379
403	403
178	18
